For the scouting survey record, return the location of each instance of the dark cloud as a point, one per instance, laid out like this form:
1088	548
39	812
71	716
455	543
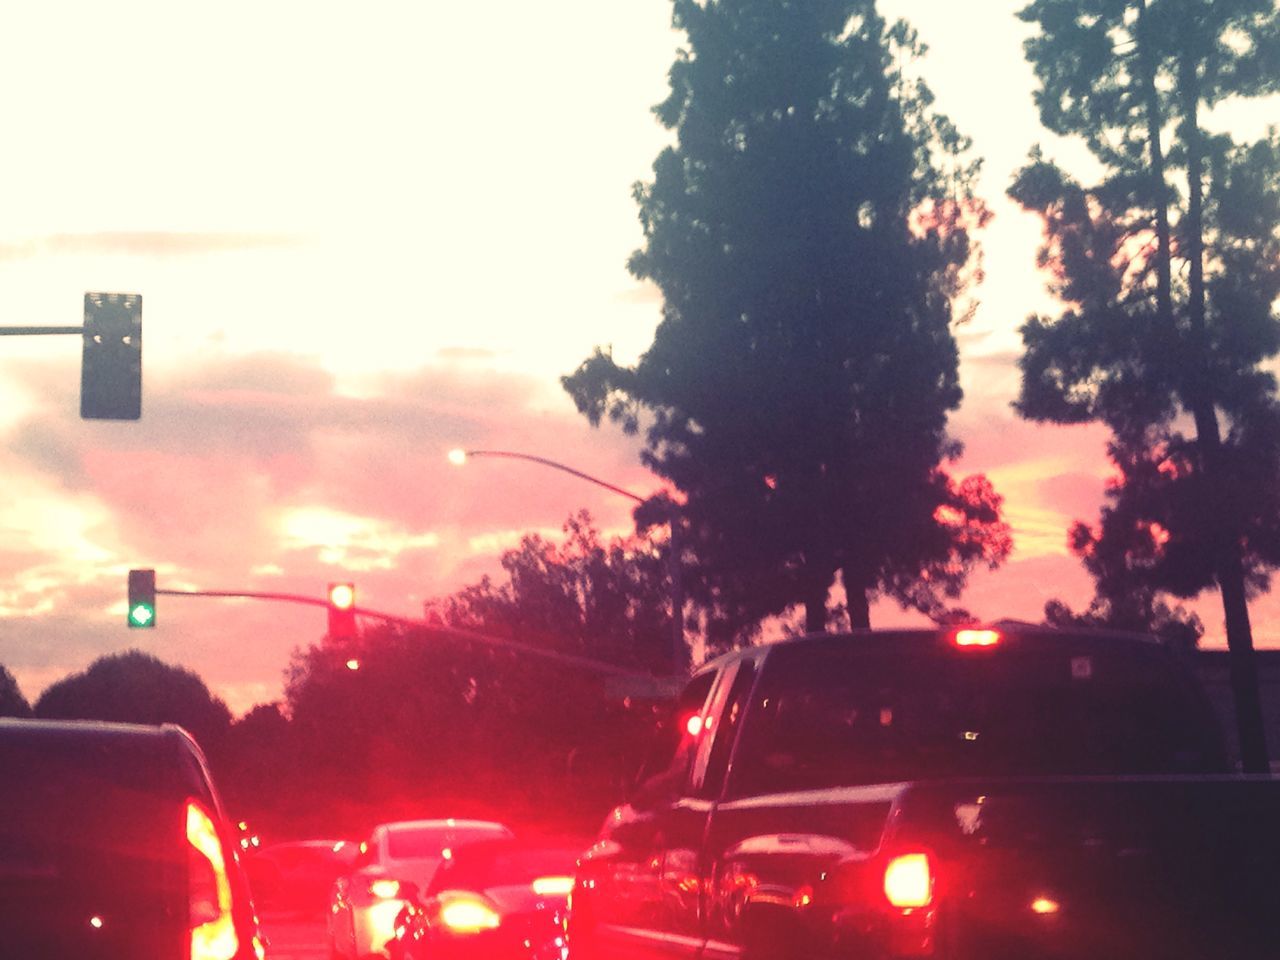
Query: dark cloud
142	243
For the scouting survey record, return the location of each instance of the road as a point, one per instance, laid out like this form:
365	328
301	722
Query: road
294	935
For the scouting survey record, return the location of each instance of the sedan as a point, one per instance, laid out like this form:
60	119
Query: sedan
500	900
363	904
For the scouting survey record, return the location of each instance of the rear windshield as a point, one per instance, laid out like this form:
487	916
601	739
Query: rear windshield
428	843
482	867
840	713
89	828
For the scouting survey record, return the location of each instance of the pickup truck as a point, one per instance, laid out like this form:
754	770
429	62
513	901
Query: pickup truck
1021	792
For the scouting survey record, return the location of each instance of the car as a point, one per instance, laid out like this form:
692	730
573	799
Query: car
298	874
495	900
114	846
364	903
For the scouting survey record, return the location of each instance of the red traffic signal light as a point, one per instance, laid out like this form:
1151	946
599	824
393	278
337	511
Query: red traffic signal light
342	610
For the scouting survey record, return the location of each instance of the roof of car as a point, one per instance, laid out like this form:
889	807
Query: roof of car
1010	628
21	728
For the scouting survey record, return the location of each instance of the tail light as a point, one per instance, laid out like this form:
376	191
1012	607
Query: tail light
385	889
976	638
213	929
553	886
465	913
908	881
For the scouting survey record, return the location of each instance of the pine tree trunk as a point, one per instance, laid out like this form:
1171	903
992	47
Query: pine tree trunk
856	600
1227	558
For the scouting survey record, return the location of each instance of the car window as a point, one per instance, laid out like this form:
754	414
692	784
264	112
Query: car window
830	715
665	771
477	868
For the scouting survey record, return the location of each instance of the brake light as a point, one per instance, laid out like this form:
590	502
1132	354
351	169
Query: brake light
385	889
466	914
908	881
693	726
553	886
213	930
977	638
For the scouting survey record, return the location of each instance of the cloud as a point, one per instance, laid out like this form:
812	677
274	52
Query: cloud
142	243
258	472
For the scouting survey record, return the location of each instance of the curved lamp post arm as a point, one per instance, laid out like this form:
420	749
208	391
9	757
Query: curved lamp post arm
461	456
677	642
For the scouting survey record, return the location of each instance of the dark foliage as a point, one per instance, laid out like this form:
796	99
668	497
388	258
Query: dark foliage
1170	269
810	234
136	687
12	702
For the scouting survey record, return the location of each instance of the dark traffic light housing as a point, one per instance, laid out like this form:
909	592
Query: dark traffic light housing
111	365
342	611
142	599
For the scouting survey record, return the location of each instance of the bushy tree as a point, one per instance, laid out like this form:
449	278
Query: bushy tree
610	601
1170	267
434	723
810	234
136	687
12	702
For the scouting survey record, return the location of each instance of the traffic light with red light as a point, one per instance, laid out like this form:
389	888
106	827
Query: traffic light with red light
342	611
142	599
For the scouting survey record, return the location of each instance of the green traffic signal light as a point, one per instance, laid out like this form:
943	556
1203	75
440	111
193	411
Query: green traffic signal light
142	599
141	615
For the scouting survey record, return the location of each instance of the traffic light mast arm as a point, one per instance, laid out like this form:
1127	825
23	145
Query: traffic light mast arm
250	595
36	331
566	658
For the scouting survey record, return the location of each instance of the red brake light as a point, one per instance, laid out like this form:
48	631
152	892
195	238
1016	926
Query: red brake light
908	881
977	638
468	914
213	930
693	726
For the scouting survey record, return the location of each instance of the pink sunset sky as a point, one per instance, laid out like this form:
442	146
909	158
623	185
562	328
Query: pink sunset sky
365	235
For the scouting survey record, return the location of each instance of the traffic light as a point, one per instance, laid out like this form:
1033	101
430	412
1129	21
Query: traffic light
111	365
342	611
142	598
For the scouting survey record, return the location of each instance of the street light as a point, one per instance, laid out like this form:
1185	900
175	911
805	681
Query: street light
458	457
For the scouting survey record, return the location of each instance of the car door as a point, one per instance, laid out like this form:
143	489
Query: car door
621	905
686	872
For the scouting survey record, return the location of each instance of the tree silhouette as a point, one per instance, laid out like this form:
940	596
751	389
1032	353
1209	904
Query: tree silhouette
810	233
583	596
136	687
1170	265
12	702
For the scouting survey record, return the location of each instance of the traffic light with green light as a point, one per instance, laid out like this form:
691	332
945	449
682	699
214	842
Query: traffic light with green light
142	598
342	611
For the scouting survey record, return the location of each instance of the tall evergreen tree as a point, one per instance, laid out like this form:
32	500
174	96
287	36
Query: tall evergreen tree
1170	265
810	234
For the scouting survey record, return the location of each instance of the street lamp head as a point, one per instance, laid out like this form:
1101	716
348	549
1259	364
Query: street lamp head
457	456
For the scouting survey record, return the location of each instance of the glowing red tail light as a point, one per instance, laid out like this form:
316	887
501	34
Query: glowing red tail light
977	638
908	881
213	930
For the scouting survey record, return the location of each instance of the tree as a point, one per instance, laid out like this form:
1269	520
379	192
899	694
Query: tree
810	233
136	687
607	601
433	721
1170	265
12	702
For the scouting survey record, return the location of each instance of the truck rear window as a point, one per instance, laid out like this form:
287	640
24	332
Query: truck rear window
850	713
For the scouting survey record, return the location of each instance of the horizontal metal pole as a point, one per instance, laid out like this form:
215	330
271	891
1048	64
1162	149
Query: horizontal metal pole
599	666
36	331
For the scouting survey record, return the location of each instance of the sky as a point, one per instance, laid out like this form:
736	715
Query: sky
366	234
